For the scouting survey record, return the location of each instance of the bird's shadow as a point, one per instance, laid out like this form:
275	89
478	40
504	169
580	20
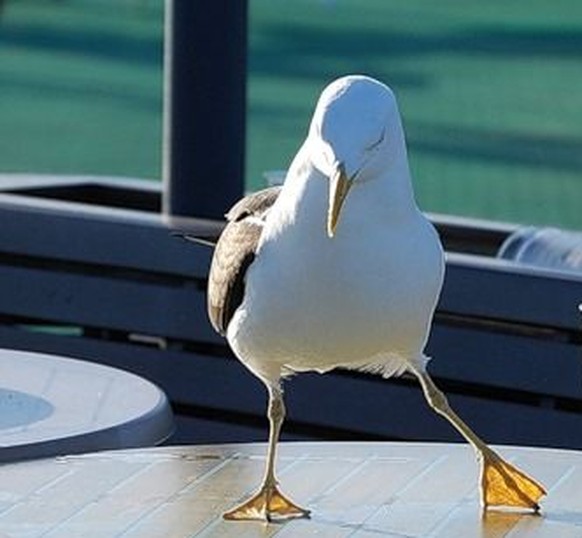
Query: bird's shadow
492	524
499	523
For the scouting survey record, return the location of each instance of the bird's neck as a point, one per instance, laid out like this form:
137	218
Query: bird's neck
393	189
387	199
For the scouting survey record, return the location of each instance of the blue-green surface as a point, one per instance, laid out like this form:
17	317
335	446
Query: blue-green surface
490	92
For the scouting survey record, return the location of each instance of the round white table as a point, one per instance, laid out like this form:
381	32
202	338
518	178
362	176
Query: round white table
361	490
51	405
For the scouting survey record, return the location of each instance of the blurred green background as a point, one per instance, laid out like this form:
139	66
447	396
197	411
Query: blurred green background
490	92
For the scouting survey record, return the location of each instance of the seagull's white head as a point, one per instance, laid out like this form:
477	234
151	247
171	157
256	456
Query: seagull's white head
353	134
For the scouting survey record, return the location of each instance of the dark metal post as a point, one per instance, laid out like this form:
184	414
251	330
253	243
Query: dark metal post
204	106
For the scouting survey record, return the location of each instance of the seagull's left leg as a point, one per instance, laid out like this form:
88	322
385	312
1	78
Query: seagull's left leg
502	484
268	503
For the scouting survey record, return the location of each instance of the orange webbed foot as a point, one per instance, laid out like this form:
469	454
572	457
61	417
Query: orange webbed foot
504	485
268	504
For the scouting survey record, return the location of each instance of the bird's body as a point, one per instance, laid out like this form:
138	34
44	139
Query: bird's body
315	304
295	288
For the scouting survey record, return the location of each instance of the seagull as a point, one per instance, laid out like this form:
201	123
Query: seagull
339	268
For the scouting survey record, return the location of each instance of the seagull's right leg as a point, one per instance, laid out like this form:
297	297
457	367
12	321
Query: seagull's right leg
268	503
502	484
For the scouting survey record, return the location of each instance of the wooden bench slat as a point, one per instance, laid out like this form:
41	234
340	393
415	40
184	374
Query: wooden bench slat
500	290
505	361
401	412
100	302
81	234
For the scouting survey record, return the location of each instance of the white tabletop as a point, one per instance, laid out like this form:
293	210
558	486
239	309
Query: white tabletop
362	490
53	405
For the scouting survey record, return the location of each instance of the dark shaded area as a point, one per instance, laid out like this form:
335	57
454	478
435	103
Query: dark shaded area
561	153
91	193
304	43
81	90
97	44
19	409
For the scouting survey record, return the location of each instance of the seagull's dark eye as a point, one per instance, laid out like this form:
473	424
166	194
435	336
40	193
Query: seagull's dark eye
374	145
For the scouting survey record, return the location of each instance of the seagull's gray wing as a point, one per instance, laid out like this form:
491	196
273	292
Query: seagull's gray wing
234	252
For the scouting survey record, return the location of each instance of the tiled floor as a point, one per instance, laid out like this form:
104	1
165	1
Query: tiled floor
353	489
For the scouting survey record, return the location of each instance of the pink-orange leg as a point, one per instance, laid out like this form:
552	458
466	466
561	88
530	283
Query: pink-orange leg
268	503
502	484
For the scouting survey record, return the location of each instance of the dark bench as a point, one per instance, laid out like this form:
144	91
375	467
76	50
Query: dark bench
114	286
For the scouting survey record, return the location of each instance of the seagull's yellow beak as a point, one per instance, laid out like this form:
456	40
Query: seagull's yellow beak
339	186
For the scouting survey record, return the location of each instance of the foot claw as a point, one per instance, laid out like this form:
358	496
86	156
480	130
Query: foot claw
268	504
502	484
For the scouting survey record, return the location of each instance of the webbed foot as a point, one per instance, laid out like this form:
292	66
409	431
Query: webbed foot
503	484
268	504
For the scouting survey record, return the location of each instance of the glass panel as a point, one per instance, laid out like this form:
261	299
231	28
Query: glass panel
80	87
490	93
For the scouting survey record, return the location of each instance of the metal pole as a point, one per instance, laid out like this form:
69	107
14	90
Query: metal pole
204	106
